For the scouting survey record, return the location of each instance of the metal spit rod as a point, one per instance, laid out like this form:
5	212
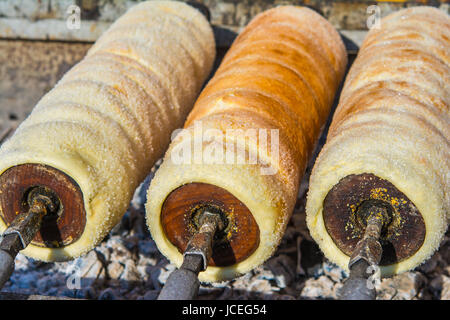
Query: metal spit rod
183	284
365	258
21	232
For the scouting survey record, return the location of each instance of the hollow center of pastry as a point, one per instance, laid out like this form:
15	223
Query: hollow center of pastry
235	242
402	235
54	208
225	225
61	226
365	210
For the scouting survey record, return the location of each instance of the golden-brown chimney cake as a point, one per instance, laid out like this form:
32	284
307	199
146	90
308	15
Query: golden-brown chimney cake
278	79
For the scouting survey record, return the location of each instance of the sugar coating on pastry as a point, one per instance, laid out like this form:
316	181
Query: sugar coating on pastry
280	74
109	119
393	121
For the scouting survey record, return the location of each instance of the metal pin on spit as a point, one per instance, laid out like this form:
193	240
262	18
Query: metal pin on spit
366	256
183	284
23	229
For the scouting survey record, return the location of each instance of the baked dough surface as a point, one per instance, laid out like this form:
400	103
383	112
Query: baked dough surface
281	73
393	121
110	117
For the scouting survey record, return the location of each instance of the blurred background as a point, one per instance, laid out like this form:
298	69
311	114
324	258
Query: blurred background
41	39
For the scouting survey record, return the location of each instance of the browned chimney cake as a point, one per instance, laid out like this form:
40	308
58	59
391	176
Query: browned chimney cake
388	144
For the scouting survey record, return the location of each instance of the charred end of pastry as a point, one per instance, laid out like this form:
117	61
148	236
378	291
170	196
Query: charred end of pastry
345	207
238	236
60	227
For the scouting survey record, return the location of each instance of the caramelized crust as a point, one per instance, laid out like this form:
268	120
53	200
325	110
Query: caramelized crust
280	74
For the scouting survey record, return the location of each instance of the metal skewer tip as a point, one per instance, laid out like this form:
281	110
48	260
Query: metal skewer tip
183	284
23	229
364	261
